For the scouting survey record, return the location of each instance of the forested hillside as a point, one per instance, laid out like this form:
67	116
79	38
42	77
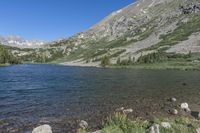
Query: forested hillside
6	57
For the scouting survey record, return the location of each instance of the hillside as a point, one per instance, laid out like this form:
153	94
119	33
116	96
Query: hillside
145	32
6	57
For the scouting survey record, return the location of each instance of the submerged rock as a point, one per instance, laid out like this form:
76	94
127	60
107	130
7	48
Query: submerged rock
42	129
83	124
120	109
173	99
154	128
166	125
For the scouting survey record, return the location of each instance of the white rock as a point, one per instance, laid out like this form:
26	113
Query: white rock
166	125
120	109
184	105
187	110
83	124
155	128
173	99
198	130
42	129
126	111
174	111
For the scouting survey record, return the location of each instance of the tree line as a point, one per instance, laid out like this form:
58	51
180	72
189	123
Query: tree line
6	57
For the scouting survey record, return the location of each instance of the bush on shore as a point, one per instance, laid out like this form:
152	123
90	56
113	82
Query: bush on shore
120	123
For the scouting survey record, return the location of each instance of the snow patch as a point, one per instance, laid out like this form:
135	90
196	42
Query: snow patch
119	11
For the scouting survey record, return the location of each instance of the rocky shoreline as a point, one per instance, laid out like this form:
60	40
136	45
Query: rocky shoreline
177	110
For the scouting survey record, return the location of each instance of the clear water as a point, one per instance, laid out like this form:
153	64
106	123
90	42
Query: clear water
31	95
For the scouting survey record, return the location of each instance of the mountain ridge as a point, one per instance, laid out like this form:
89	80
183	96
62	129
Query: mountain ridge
136	32
18	41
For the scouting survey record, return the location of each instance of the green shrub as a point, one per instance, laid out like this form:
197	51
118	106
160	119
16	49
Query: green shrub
7	57
153	58
105	61
122	124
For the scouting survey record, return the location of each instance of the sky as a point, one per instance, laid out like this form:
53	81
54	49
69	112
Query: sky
53	19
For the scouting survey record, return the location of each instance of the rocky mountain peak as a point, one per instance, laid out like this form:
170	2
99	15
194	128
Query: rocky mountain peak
139	29
18	41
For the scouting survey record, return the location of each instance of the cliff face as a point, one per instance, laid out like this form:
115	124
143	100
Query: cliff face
141	28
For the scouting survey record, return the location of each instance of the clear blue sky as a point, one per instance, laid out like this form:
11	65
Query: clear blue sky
53	19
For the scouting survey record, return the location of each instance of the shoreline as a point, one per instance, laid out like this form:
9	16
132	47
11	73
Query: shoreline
79	64
154	66
4	65
181	119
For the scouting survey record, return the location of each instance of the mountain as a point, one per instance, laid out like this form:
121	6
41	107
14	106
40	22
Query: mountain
18	41
147	31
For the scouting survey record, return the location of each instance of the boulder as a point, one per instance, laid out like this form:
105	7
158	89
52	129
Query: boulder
198	130
195	114
174	111
42	129
155	128
127	111
185	107
83	124
166	125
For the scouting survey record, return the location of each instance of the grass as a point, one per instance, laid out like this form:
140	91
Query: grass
169	65
3	65
120	123
161	60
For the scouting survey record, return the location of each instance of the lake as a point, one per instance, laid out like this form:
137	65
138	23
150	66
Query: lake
60	96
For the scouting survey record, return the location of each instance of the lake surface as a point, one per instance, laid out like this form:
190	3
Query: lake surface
60	96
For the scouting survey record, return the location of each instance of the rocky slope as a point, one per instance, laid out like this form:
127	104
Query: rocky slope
167	27
17	41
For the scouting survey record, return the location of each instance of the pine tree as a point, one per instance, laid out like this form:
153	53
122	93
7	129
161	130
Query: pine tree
105	61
